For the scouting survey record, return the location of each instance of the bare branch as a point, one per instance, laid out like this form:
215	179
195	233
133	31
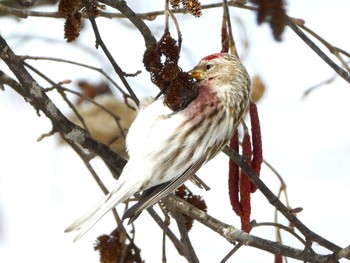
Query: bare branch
342	73
150	41
29	89
343	253
324	82
227	19
233	234
115	117
25	13
136	19
285	228
234	250
118	70
177	243
35	95
7	80
334	50
100	70
126	12
190	252
63	95
309	235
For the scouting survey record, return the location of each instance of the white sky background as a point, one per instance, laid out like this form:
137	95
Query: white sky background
44	187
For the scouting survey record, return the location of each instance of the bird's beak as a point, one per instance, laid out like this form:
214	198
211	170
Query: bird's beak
196	74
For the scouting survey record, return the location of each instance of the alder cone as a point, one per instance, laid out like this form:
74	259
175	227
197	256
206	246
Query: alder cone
181	92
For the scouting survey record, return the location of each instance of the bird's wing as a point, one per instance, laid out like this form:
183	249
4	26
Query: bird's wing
156	193
78	223
89	219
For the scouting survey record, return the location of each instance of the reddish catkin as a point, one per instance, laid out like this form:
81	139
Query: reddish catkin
233	178
278	258
256	141
245	184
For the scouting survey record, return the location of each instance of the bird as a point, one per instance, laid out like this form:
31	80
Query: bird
166	147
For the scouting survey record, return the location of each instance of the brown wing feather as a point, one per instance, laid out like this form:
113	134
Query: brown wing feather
154	194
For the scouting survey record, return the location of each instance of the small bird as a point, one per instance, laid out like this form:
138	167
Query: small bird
167	147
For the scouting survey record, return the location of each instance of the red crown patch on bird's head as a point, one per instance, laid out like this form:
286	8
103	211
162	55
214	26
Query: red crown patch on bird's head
211	57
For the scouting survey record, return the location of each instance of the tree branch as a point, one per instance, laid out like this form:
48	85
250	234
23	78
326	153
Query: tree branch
190	253
29	89
100	70
343	253
342	73
280	226
100	43
233	234
332	49
150	41
147	34
309	235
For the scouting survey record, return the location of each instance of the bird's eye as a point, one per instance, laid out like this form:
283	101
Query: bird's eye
208	66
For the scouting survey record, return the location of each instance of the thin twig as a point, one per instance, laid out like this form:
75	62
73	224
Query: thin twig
232	251
134	18
334	50
126	12
63	95
86	160
165	227
9	81
342	73
45	135
282	189
114	116
33	93
177	243
324	82
179	34
227	17
166	16
117	69
277	225
100	70
190	252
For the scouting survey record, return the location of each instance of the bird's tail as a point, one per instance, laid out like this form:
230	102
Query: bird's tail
89	219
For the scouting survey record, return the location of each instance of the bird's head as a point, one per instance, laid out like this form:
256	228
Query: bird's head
219	65
225	74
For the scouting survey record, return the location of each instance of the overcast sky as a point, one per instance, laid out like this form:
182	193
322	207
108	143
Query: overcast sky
45	186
